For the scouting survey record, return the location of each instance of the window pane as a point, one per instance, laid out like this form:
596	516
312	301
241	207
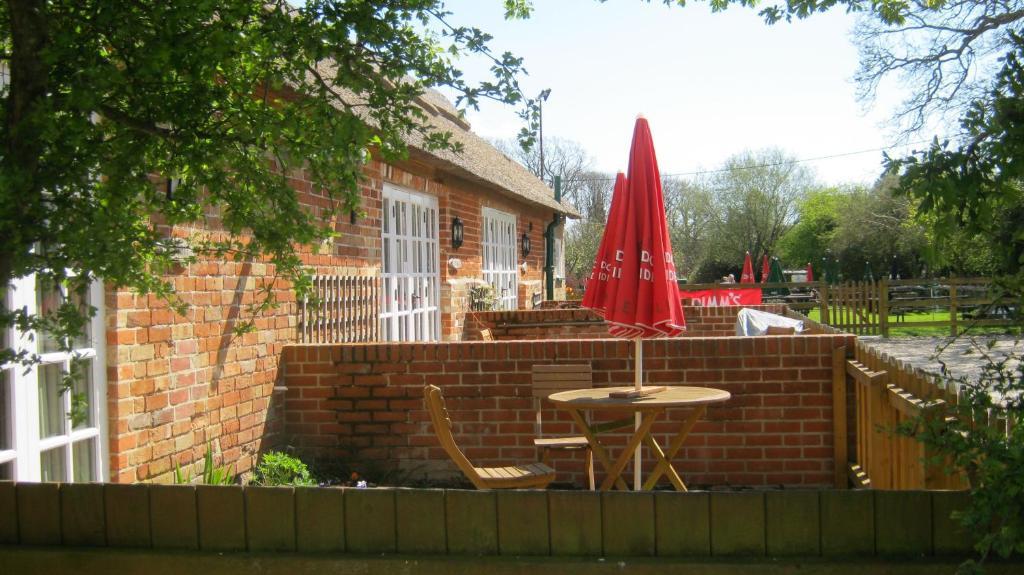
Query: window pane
84	454
48	299
6	411
7	471
85	338
52	464
51	406
82	394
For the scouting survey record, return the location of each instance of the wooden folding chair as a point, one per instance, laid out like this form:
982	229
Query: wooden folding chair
548	379
530	475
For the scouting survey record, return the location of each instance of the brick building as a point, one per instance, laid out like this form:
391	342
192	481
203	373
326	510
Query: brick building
160	385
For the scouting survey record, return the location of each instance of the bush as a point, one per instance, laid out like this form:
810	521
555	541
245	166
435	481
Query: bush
277	468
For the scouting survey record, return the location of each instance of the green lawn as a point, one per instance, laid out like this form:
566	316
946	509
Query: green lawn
906	327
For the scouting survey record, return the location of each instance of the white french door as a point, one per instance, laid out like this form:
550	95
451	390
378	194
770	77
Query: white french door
410	309
38	439
499	258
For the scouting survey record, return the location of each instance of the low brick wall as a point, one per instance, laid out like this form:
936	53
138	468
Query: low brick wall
577	323
227	521
364	403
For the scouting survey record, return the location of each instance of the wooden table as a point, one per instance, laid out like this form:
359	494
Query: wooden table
649	407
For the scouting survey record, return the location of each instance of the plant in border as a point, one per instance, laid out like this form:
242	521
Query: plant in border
279	468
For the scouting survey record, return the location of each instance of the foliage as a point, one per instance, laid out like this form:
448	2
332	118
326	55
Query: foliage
278	468
690	213
975	188
482	297
857	226
984	435
212	474
946	53
582	239
756	195
122	119
819	215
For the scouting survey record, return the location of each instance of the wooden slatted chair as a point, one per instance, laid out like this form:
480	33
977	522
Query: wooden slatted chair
518	476
548	379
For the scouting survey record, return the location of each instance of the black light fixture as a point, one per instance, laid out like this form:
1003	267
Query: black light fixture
525	243
457	232
352	217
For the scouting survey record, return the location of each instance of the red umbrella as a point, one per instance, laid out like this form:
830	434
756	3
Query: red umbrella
604	261
641	297
644	300
810	273
748	270
765	269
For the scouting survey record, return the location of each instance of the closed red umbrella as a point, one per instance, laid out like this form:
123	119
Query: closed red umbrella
605	264
765	269
641	297
810	272
748	270
644	300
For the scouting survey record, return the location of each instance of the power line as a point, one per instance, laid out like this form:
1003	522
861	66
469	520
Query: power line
767	165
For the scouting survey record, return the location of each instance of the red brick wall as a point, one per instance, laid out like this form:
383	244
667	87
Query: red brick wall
177	382
579	323
363	403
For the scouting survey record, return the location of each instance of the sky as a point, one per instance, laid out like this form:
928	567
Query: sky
710	85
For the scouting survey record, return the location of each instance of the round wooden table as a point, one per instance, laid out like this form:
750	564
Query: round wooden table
650	407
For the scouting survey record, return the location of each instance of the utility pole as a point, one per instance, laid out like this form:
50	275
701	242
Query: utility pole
541	98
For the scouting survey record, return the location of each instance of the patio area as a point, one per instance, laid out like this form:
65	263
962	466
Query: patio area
363	402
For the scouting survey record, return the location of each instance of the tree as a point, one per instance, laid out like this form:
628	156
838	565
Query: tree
562	157
812	235
975	188
690	215
948	52
217	102
757	194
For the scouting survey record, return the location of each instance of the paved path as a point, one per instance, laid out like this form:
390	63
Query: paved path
962	357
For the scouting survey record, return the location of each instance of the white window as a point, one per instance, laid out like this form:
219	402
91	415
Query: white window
410	309
499	258
38	439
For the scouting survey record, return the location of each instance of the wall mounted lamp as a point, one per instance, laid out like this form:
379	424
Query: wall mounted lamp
525	244
458	231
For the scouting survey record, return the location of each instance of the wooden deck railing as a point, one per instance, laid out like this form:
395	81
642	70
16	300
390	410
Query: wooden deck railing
887	393
343	309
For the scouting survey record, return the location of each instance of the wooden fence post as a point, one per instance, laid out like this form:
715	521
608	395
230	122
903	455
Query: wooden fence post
839	418
952	307
883	306
823	295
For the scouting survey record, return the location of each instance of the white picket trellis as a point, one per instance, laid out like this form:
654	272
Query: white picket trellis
343	308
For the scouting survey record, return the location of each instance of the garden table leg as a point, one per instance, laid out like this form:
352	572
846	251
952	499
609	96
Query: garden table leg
596	446
677	481
647	420
677	442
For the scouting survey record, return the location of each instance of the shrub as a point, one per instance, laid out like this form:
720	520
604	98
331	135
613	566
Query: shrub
278	468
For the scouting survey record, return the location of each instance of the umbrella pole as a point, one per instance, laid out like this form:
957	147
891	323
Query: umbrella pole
637	384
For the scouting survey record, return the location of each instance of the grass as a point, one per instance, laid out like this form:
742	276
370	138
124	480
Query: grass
906	328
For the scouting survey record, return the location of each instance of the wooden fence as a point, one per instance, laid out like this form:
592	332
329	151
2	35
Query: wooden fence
886	394
876	308
343	309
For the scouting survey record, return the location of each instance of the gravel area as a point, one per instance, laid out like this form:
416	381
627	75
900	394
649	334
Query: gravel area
962	356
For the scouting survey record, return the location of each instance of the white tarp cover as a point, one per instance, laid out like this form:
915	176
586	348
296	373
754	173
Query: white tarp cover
754	322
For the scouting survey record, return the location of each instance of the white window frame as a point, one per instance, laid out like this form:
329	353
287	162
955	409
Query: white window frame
499	263
410	307
22	386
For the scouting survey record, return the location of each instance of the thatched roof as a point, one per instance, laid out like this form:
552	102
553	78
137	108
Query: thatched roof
479	161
